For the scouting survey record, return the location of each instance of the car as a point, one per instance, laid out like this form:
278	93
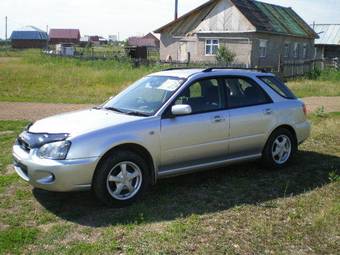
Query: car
169	123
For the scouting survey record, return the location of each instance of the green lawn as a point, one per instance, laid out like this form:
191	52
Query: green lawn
27	76
242	209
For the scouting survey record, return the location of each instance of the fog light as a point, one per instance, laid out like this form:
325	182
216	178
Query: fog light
47	179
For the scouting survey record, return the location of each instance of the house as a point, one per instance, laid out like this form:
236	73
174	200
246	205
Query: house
64	36
328	45
29	37
150	41
259	34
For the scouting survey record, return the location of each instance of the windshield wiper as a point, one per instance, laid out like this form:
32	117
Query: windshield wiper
114	109
136	113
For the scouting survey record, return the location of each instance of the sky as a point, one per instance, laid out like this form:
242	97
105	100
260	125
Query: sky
129	17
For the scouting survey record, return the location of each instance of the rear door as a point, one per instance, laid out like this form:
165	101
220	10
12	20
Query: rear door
201	135
251	115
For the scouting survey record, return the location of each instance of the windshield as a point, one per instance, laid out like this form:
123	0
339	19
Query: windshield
146	96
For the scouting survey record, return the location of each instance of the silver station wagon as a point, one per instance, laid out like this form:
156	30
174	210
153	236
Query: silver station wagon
168	123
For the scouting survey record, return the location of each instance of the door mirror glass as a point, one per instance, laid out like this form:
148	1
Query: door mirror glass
181	109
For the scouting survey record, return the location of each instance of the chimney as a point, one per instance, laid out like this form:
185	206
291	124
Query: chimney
176	9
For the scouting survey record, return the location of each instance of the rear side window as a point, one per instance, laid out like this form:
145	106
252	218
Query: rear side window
278	86
242	92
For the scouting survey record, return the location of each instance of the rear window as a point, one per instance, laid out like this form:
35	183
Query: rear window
278	86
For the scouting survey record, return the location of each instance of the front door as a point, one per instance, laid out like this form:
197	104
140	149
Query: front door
201	135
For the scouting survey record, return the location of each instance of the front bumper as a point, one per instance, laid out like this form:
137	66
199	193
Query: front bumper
54	175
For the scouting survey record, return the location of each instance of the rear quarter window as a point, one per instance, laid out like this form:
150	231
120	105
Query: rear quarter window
278	86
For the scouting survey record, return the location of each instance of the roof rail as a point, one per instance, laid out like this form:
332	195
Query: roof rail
180	68
234	68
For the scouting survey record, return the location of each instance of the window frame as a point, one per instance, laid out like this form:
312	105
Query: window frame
304	51
211	45
286	50
296	50
250	80
262	41
167	112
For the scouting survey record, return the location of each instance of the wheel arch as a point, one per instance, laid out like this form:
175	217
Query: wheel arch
287	127
133	147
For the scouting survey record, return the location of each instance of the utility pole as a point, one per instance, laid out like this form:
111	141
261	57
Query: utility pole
176	9
6	28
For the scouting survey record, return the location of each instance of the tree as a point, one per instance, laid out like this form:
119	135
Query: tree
224	56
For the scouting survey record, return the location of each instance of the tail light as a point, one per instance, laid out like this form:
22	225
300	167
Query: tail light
304	108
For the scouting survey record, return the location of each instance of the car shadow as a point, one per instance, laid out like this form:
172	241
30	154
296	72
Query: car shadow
198	193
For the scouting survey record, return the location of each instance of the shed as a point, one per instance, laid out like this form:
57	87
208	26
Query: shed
29	37
328	45
64	36
259	34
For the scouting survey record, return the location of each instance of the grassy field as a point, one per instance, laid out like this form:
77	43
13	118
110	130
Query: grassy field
27	76
242	209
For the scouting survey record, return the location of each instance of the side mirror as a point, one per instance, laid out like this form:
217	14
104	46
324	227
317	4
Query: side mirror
181	109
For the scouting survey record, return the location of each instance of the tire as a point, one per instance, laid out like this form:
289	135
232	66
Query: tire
121	178
278	153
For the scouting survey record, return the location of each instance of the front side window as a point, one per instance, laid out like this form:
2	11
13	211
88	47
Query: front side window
211	46
278	86
242	92
146	96
202	96
263	48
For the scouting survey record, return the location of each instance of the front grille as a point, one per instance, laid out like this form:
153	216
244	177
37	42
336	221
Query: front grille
23	145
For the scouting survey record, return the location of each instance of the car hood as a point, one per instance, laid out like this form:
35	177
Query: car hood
80	122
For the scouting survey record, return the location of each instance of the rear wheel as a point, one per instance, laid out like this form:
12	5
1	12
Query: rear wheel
121	178
280	148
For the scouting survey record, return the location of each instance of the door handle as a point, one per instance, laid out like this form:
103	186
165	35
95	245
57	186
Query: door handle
268	111
218	119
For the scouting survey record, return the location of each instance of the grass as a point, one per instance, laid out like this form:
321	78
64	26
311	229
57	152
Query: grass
242	209
28	76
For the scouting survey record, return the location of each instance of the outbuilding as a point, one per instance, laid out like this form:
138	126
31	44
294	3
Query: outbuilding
29	37
328	45
64	36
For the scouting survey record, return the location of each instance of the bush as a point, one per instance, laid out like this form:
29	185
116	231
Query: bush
224	56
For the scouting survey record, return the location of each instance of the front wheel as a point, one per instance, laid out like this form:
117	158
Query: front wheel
121	178
280	148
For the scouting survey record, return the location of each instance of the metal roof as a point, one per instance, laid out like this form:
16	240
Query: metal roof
29	33
265	17
328	33
64	33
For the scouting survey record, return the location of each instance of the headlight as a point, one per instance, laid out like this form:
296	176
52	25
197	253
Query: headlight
55	151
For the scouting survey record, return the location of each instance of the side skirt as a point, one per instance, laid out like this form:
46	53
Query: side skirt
204	166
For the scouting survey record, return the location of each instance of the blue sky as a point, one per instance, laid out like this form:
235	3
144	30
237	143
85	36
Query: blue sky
129	17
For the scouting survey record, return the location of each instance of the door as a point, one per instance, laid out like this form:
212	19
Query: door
201	135
251	116
183	53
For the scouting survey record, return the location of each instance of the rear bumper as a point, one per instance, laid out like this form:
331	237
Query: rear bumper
54	175
302	131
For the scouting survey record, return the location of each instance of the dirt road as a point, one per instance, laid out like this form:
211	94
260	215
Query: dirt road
35	111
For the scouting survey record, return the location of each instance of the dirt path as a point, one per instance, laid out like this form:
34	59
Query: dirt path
35	111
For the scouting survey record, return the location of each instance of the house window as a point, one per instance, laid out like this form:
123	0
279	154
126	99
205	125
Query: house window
296	50
211	46
263	48
304	51
286	50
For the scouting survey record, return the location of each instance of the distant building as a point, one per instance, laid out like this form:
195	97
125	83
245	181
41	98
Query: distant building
29	37
64	36
150	41
328	45
259	34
